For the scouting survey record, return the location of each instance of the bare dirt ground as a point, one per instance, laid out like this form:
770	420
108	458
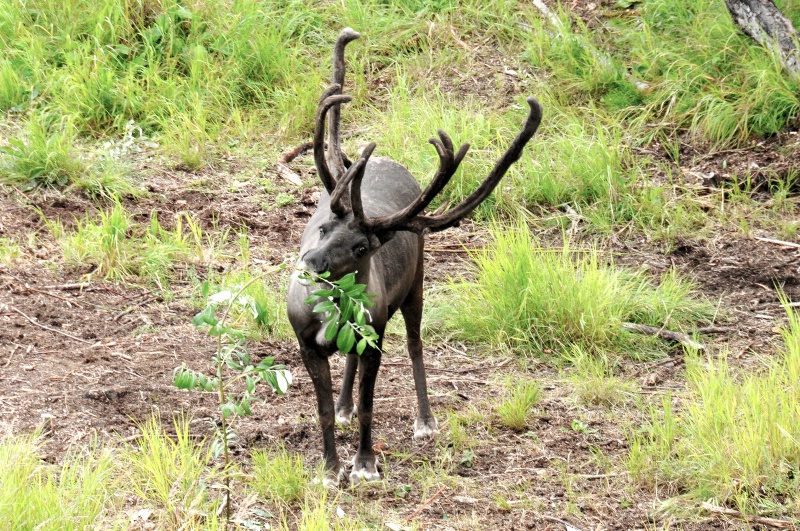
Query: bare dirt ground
92	361
85	359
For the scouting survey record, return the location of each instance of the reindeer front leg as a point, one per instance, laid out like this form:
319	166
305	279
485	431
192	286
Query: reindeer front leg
344	405
365	465
319	370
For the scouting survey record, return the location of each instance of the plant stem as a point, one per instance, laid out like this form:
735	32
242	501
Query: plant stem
221	391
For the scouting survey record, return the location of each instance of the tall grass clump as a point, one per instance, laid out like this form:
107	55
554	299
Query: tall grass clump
671	65
117	248
532	299
280	476
43	155
734	438
35	495
176	69
173	475
514	410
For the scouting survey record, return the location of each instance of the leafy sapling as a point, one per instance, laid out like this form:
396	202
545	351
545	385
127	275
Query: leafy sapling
344	307
232	353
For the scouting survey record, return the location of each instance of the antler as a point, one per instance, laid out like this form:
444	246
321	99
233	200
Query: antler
331	167
342	203
409	218
329	99
448	164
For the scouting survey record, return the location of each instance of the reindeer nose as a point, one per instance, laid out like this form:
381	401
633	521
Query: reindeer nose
316	263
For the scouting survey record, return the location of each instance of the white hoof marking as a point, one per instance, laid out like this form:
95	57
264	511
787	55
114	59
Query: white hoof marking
344	420
330	481
425	431
364	475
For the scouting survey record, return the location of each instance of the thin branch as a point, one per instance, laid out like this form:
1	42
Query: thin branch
680	337
51	329
427	502
772	522
779	242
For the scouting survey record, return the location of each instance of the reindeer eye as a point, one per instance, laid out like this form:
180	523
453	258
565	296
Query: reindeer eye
360	251
322	231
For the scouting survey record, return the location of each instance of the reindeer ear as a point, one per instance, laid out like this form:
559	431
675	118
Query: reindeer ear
385	235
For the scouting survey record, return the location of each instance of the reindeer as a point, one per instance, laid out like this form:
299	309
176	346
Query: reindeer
370	220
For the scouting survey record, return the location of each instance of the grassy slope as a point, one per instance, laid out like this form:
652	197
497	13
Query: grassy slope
206	83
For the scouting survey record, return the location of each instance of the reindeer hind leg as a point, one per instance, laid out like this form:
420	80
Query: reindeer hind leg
425	425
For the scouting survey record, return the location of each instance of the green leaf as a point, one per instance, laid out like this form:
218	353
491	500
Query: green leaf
271	379
324	306
355	291
346	309
227	409
330	332
206	317
360	318
346	339
361	346
346	281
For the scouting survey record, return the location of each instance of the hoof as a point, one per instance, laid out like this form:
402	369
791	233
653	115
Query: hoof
425	429
331	479
364	472
344	416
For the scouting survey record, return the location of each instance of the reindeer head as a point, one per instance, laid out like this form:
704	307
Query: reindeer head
344	240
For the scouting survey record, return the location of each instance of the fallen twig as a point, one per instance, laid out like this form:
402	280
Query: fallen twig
772	522
11	357
51	329
779	242
600	476
286	173
558	521
282	165
83	286
133	307
714	330
68	301
680	337
427	502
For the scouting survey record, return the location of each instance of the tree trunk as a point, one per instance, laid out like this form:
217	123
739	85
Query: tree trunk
764	22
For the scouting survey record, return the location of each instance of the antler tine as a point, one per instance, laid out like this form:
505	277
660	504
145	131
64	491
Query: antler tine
334	148
448	164
340	201
452	217
329	99
355	190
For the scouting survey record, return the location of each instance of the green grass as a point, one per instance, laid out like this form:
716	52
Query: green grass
173	476
698	72
37	495
514	410
280	476
10	251
118	248
534	299
734	437
44	155
594	381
